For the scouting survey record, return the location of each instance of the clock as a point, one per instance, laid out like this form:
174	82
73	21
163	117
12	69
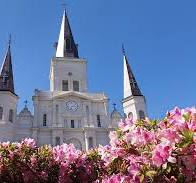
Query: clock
72	106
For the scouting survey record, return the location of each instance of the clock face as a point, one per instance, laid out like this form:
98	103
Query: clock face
72	106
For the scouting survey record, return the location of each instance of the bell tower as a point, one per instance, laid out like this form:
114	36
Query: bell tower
68	72
8	99
134	103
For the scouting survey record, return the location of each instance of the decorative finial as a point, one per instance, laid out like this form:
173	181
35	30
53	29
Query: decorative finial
25	102
114	105
64	6
10	40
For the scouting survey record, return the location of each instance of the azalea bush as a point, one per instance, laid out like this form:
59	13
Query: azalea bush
139	151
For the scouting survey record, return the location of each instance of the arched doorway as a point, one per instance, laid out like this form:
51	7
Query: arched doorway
75	142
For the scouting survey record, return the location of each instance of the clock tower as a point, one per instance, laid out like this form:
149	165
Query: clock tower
68	112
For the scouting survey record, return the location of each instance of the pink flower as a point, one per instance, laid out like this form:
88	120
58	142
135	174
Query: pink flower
125	125
113	138
161	154
118	179
139	137
5	144
29	142
169	135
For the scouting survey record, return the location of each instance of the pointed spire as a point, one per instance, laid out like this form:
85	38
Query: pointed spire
6	73
66	46
130	84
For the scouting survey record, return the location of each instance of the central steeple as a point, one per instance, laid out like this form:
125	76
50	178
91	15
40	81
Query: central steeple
68	72
66	46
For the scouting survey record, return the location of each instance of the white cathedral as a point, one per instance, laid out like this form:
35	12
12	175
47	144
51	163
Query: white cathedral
68	112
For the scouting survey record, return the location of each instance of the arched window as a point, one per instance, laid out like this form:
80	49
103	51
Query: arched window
98	121
75	85
90	142
75	142
130	115
1	113
11	115
44	119
57	141
141	114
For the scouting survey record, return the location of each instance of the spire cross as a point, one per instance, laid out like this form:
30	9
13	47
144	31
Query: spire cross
10	40
25	102
64	5
123	49
114	105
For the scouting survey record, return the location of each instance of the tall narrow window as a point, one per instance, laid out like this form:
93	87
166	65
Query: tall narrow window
65	123
44	119
57	141
141	114
75	85
79	124
90	142
87	110
57	113
65	86
57	109
98	121
1	113
68	44
11	115
72	123
87	115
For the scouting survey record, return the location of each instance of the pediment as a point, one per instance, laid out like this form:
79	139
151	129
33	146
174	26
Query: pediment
72	94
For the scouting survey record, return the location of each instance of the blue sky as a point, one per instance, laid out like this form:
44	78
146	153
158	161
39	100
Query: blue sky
159	37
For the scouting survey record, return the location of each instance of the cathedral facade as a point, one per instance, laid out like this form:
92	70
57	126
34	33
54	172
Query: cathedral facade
67	113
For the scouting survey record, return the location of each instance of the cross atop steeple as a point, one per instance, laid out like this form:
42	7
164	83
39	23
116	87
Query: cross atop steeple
66	46
10	40
123	49
25	102
114	106
6	73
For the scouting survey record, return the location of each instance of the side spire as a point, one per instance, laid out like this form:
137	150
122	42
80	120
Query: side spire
6	72
66	46
130	84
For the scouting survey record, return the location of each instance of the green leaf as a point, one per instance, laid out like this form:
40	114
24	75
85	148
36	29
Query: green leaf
151	173
188	138
186	116
141	178
168	169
